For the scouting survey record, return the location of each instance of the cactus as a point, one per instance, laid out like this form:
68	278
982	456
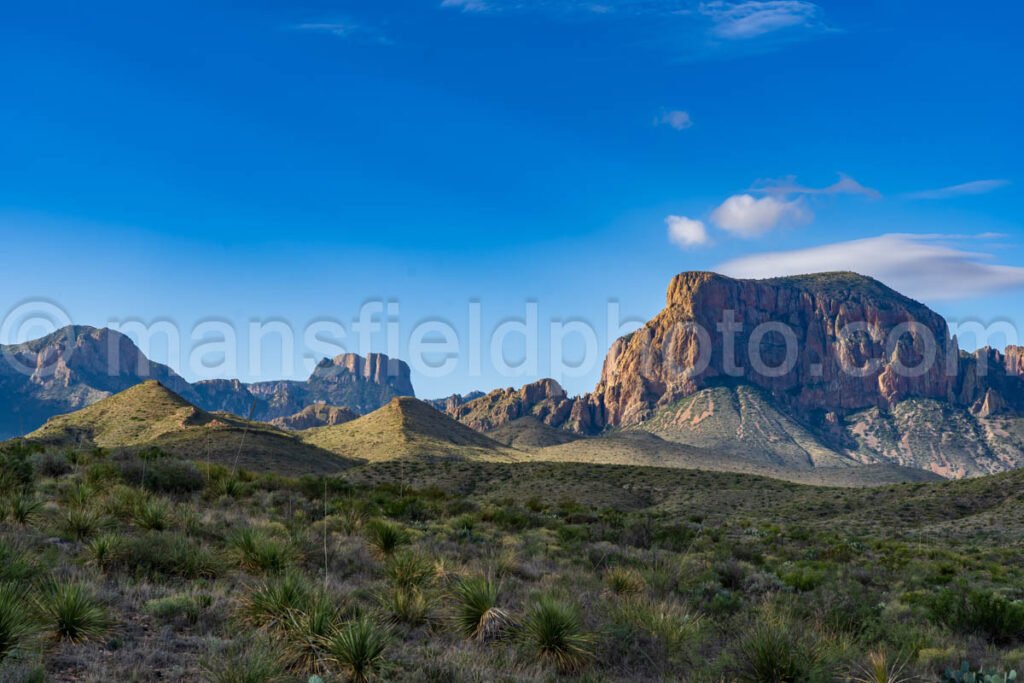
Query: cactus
965	675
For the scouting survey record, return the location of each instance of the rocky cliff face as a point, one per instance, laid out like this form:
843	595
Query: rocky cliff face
449	404
843	335
78	366
544	400
317	415
70	369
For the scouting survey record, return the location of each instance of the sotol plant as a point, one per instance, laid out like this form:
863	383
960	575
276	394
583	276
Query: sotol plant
73	613
476	611
358	648
554	630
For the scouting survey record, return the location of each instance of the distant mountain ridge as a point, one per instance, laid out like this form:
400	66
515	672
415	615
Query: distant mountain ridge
962	415
79	365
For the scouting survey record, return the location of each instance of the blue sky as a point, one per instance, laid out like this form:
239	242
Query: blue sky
194	161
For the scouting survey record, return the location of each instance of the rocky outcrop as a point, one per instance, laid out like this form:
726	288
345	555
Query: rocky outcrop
840	337
68	370
545	400
78	366
317	415
449	404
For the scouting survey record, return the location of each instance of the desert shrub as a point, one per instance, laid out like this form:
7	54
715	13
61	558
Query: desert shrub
161	474
999	619
81	523
16	466
253	662
409	570
255	550
23	507
358	648
880	668
153	514
71	612
305	630
406	604
773	650
51	464
14	566
644	632
475	611
102	474
554	632
156	553
16	622
624	581
385	537
271	602
186	607
104	550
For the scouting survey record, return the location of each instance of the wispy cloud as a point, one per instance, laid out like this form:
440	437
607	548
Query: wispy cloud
347	30
747	216
789	186
676	118
961	190
927	267
754	18
686	232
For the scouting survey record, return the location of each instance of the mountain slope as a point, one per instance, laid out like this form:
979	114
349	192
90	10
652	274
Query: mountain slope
405	427
316	415
150	415
530	433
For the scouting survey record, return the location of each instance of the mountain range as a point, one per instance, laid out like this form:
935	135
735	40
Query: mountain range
682	381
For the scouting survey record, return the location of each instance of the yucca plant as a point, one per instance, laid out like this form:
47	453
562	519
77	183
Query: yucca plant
409	570
24	507
773	650
408	605
880	669
553	630
153	514
81	523
271	603
358	648
257	551
72	612
16	622
105	550
476	611
385	537
624	581
304	632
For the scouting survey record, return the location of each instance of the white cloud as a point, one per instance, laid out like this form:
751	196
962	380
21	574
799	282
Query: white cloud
747	216
742	20
676	118
925	267
973	187
789	186
335	29
467	5
686	232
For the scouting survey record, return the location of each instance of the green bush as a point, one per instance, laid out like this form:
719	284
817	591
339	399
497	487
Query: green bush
385	537
358	648
475	611
270	602
999	619
72	612
554	631
167	553
16	622
255	550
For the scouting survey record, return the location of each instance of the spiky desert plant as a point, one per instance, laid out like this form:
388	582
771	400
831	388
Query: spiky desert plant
257	551
80	523
153	514
476	611
409	570
105	550
880	669
72	612
624	581
16	623
358	648
385	537
553	630
304	632
408	605
24	507
772	649
271	602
